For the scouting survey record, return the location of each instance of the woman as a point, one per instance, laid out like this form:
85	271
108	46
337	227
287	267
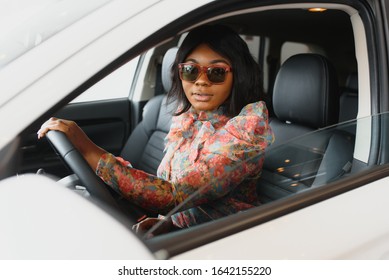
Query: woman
215	146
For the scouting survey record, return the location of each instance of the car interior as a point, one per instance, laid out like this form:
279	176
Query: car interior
310	78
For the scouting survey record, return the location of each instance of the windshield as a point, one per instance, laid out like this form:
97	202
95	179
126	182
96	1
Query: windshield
25	24
306	162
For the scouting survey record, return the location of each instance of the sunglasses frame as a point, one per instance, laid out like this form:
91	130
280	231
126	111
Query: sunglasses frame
204	70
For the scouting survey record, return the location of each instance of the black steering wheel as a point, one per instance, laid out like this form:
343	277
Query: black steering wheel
77	163
89	179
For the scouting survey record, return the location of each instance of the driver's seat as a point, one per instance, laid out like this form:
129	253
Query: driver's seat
144	147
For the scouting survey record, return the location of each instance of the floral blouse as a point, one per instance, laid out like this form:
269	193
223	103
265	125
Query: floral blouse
211	162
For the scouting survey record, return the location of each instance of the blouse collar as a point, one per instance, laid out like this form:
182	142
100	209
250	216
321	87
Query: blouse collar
215	116
185	124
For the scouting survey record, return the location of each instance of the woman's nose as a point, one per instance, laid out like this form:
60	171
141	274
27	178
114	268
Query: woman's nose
202	80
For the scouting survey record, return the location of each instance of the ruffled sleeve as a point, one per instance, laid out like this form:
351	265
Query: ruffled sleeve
143	189
251	126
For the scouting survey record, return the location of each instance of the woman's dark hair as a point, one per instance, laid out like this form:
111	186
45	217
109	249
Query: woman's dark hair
247	85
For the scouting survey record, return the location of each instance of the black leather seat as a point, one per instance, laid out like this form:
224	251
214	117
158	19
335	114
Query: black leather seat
144	148
305	98
349	99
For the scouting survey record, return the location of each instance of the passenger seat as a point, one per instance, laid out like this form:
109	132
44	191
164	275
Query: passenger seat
305	98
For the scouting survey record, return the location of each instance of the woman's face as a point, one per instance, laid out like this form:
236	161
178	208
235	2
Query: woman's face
203	94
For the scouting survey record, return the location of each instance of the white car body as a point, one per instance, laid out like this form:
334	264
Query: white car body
40	78
324	238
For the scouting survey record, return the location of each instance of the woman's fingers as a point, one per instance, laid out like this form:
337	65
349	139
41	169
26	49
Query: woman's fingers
90	151
54	124
46	126
145	225
165	226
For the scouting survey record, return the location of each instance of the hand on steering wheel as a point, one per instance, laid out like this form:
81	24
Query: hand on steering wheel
94	185
83	164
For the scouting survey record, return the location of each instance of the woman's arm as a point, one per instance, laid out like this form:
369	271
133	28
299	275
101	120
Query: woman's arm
141	188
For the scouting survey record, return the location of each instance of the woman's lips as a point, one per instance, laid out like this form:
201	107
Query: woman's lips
202	97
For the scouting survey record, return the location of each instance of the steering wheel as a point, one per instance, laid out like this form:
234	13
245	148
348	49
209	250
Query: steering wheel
72	157
93	183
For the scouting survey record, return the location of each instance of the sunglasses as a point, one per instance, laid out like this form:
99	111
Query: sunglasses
216	74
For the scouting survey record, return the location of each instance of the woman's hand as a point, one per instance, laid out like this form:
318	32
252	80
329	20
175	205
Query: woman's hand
70	128
76	135
145	225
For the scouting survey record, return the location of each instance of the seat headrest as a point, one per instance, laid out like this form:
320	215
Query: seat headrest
306	91
167	63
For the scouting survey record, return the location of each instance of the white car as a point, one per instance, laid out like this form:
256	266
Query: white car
324	186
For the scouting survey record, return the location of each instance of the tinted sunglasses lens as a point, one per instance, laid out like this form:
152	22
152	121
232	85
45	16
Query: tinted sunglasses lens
216	74
189	72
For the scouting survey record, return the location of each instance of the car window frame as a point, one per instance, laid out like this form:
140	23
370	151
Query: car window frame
223	228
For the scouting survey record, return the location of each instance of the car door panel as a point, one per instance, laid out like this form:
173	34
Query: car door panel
107	123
